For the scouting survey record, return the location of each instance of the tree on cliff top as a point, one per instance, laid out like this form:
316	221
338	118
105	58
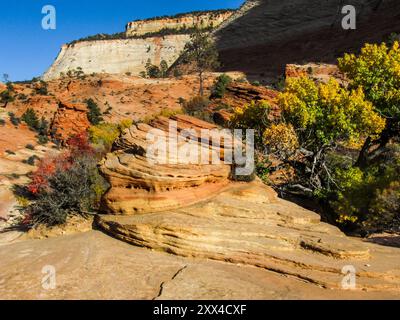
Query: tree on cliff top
202	51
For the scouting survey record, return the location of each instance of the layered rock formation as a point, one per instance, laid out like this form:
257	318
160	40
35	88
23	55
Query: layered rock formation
92	265
142	184
117	56
248	225
196	211
202	20
69	120
265	35
131	54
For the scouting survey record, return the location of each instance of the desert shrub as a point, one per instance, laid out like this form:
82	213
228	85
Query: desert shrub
6	96
22	96
2	122
196	107
252	116
163	69
41	89
42	139
281	140
108	108
152	71
30	146
65	185
220	86
40	126
31	160
376	71
177	73
13	119
368	198
104	134
31	119
10	152
94	112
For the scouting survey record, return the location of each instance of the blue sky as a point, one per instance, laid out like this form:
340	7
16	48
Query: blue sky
27	50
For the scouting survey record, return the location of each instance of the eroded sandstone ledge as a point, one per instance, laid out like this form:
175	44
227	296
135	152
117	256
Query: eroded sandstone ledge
196	211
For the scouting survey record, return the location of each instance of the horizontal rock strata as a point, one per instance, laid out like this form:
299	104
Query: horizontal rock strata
140	185
247	224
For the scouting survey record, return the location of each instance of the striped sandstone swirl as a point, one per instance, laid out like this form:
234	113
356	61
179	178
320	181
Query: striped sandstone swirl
196	211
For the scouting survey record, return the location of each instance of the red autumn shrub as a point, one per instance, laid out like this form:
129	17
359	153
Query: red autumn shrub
78	145
65	185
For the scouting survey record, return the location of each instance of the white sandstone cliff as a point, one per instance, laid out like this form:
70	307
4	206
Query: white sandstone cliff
116	56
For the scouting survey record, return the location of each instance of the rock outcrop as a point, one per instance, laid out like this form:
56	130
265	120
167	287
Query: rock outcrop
69	120
116	56
92	265
139	45
265	35
196	211
247	224
202	20
141	185
237	96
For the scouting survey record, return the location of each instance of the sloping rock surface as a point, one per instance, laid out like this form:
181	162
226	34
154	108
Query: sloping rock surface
92	265
265	35
247	224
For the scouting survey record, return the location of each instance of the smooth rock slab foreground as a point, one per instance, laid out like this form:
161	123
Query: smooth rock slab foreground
92	265
247	224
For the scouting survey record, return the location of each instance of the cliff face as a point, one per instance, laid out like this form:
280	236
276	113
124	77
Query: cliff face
116	56
203	20
130	55
265	35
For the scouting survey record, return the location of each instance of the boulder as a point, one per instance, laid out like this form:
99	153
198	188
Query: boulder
140	185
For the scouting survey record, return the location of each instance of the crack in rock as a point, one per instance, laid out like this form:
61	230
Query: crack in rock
164	282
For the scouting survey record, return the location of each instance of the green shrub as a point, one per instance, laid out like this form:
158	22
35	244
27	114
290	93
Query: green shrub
177	73
31	160
220	86
31	119
42	139
152	71
196	105
30	146
13	119
42	89
6	96
368	198
94	112
22	96
163	69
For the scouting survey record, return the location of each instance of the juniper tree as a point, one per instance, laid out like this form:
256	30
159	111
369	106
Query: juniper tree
202	51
